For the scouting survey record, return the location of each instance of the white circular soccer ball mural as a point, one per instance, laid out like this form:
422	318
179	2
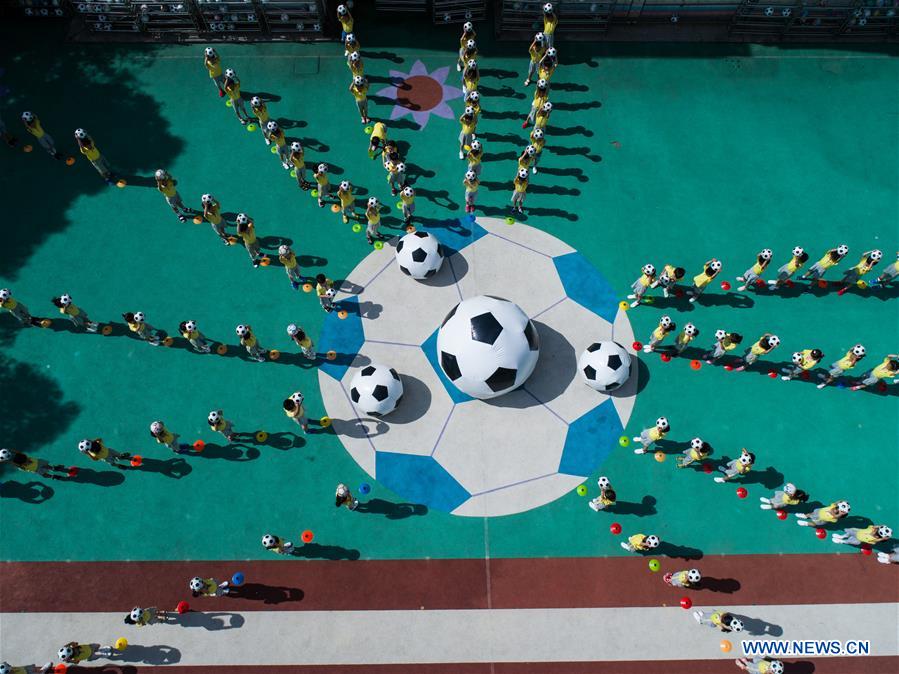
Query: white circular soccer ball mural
441	446
487	346
605	366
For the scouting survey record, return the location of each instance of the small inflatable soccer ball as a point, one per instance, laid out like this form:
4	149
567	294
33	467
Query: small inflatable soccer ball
605	366
376	389
487	346
419	255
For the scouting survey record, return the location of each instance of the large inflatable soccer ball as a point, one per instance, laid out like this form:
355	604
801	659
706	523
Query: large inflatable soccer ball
419	255
376	389
605	366
487	346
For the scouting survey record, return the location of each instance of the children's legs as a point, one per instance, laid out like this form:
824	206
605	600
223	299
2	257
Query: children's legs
469	200
46	142
749	278
363	109
219	81
176	204
21	313
219	229
531	116
532	70
252	250
371	231
240	109
102	167
308	352
200	345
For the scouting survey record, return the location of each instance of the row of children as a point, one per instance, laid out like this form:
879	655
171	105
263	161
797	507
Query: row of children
802	362
672	275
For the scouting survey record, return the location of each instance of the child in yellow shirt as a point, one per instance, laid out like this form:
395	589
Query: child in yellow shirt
687	335
649	436
346	22
536	50
16	308
701	281
89	149
33	126
606	496
231	85
212	213
519	190
865	265
294	409
166	185
550	21
373	215
828	260
246	230
302	340
291	265
78	317
754	273
641	543
250	343
359	89
888	368
640	286
800	257
724	342
843	365
665	327
471	184
324	185
214	66
803	361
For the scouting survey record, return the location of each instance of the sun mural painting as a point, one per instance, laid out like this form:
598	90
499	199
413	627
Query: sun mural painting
420	94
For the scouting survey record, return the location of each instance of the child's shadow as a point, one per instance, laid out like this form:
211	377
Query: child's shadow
768	478
677	551
647	506
317	551
231	452
392	511
150	655
31	492
285	123
267	594
173	468
101	478
283	440
726	585
272	243
757	627
212	621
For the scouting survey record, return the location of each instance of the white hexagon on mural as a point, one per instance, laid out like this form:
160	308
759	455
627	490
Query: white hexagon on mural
441	447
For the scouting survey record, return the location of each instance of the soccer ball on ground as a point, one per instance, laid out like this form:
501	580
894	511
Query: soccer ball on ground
605	366
487	346
419	255
376	389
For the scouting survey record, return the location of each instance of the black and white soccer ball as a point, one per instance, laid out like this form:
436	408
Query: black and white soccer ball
376	389
605	366
419	255
487	346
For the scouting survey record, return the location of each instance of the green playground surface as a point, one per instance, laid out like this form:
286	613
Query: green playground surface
654	153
